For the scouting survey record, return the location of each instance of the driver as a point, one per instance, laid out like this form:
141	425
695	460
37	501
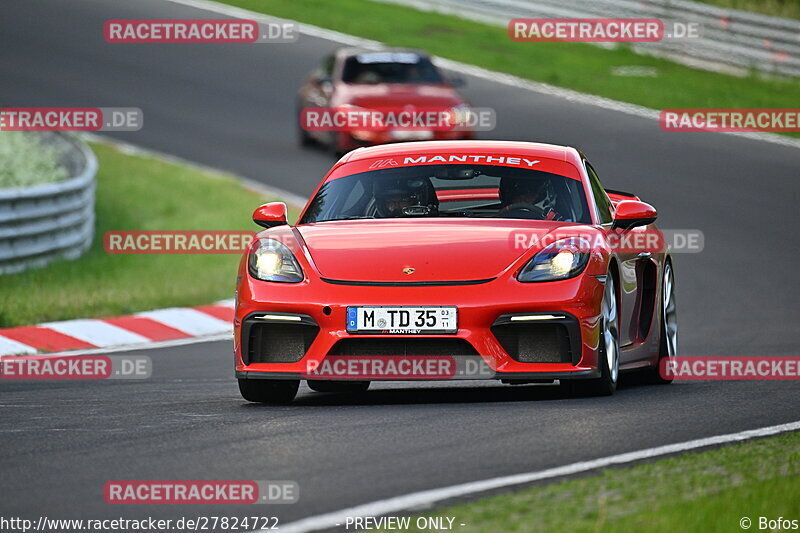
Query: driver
526	194
395	196
391	201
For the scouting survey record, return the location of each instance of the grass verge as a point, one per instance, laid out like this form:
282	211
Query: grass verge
704	492
576	66
136	192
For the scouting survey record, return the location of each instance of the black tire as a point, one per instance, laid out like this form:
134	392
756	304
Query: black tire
326	385
606	384
666	349
273	391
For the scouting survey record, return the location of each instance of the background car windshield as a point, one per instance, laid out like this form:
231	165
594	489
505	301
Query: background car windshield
485	191
385	67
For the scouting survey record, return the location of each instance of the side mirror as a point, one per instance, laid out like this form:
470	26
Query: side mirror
270	215
631	214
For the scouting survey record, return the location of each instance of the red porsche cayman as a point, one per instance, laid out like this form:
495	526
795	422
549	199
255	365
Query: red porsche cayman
455	259
391	78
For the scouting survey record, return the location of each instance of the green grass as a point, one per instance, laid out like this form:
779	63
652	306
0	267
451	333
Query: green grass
576	66
705	492
776	8
138	193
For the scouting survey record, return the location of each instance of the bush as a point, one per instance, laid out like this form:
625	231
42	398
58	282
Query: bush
26	160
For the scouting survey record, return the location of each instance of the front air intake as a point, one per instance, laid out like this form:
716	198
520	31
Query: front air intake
276	342
556	341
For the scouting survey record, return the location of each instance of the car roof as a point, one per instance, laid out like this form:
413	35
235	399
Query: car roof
552	151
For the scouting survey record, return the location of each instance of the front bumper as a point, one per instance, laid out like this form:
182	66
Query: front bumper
484	320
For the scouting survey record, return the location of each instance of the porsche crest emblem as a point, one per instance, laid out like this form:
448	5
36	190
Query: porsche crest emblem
408	271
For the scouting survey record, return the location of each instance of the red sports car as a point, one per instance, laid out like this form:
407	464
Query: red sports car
356	79
414	260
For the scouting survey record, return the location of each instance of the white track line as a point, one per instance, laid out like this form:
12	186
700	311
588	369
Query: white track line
424	498
472	70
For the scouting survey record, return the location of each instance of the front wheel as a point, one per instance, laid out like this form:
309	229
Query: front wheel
608	354
668	334
274	391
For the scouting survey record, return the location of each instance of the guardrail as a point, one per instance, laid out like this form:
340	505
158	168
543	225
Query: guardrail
43	223
732	41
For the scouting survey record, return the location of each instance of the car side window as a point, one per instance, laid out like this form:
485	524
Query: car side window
604	206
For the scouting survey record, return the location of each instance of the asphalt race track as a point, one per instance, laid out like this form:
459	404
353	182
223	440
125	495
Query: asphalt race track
232	107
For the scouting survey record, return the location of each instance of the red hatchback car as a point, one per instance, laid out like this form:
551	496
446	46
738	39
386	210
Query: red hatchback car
508	253
390	78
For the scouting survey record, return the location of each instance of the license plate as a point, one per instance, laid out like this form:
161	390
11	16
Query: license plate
402	320
411	135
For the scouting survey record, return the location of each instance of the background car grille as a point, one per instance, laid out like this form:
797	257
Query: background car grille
277	343
535	343
403	346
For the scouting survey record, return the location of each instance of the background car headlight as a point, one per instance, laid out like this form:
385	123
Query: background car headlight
460	115
562	259
272	261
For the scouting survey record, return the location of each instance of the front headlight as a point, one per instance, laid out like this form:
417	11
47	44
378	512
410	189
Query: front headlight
560	260
273	261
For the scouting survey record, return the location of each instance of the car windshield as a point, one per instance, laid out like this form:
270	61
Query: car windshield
484	191
390	67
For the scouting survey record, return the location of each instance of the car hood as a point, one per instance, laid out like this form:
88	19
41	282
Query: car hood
399	95
437	250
